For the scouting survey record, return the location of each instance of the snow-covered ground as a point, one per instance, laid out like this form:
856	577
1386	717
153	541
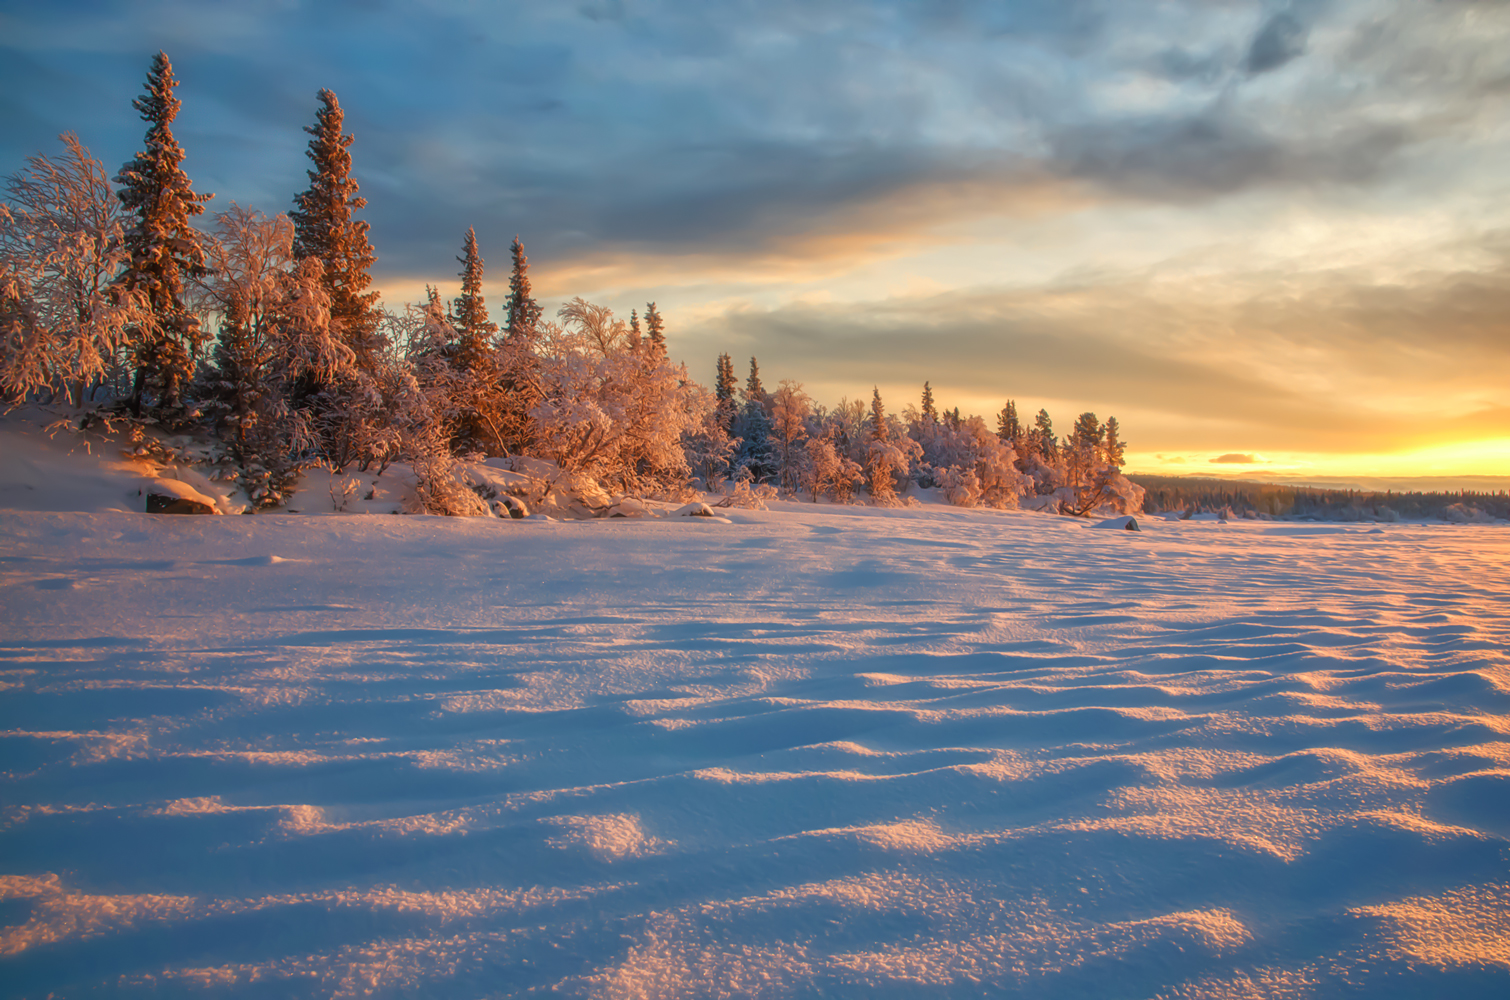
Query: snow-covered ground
811	751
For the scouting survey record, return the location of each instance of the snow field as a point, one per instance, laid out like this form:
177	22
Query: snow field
814	751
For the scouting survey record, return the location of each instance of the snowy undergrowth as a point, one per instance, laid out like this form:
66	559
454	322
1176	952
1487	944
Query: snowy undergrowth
815	750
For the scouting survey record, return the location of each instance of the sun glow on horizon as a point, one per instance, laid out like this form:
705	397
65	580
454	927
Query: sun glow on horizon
1488	457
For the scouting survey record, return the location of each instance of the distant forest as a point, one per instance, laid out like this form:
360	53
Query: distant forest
1241	499
262	333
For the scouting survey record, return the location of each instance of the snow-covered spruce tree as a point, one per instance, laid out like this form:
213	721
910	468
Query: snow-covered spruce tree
1114	449
635	335
1008	428
929	413
475	383
1043	429
725	385
325	231
164	248
655	328
469	313
62	243
523	310
520	378
790	409
887	460
754	392
756	457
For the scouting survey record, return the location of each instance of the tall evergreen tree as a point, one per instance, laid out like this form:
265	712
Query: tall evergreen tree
754	391
723	388
655	328
930	412
1043	430
325	231
1113	447
878	429
523	310
164	248
470	313
1008	428
757	451
634	330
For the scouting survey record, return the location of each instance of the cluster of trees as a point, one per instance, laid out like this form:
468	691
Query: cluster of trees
265	330
784	439
1220	496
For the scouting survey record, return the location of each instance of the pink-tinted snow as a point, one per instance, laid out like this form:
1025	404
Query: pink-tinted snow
816	751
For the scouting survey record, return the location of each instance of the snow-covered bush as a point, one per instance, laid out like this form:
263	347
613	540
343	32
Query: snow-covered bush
829	473
620	417
64	324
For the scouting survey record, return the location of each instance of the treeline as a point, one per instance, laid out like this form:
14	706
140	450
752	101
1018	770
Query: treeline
1177	493
263	330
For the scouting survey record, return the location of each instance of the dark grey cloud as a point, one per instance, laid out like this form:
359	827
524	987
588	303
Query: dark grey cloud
1281	40
674	127
1220	150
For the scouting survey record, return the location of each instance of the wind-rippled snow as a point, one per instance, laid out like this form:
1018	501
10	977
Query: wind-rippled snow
819	751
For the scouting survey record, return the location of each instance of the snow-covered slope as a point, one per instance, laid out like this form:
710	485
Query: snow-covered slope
815	751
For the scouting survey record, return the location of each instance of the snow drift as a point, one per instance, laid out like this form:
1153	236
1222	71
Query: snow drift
816	750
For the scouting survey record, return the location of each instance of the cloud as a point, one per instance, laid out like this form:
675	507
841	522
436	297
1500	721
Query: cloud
1220	149
1236	458
661	126
1281	40
1280	362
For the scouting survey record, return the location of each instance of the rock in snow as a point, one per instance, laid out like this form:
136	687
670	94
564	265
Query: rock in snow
1125	523
694	509
169	496
507	506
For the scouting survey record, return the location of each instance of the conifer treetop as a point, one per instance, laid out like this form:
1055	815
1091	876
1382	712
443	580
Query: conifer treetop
1007	426
878	417
154	186
726	382
470	311
325	230
1116	448
524	311
163	247
655	327
754	391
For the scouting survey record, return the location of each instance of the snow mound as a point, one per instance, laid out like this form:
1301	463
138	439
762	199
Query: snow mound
175	489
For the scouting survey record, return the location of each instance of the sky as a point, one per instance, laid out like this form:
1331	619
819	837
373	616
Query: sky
1271	238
